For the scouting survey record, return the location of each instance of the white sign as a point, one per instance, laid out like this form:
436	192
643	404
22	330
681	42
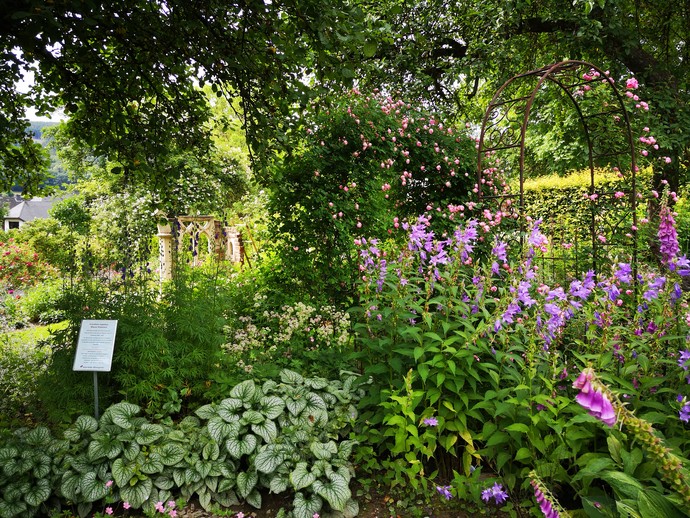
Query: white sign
95	346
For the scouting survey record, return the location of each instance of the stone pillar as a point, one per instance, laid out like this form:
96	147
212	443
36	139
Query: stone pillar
165	251
234	248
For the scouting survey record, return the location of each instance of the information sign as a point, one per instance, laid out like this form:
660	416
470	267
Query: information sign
95	346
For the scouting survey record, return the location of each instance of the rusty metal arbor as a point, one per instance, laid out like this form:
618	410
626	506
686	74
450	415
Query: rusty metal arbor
610	146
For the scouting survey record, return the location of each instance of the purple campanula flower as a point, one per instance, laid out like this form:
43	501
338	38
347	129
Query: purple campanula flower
500	251
684	414
653	288
444	491
683	359
523	294
624	273
682	266
496	492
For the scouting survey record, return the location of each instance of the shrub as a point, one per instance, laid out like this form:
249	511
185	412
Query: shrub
20	267
42	303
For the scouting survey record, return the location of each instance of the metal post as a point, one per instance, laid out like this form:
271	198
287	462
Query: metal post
95	393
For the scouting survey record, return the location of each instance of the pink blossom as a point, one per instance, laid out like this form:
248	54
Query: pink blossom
619	194
126	505
109	483
631	83
108	510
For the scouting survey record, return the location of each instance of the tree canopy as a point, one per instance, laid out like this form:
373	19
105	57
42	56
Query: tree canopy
128	71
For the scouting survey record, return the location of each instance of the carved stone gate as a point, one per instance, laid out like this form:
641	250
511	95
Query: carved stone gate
197	238
610	144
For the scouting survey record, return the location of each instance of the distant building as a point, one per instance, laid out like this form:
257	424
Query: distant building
28	210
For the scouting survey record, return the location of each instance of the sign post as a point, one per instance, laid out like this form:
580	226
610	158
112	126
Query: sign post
95	350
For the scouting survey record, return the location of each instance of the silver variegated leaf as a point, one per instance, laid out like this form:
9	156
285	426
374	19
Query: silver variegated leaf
351	509
84	424
164	482
306	507
336	492
268	459
218	429
278	484
206	412
269	386
205	499
137	494
237	447
152	464
171	453
123	414
291	377
253	417
123	472
38	493
131	450
266	430
296	406
301	477
246	481
324	450
69	485
211	451
149	433
316	383
244	391
271	406
227	498
92	488
254	499
37	437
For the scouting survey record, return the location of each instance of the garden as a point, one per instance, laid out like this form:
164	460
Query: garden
430	315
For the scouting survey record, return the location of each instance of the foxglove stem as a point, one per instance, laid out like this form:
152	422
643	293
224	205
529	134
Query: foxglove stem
666	462
547	503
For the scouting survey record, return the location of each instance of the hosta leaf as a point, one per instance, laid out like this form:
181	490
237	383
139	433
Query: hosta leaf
254	499
211	451
295	406
246	482
268	459
278	484
271	406
206	412
219	429
301	477
122	472
38	494
253	417
306	507
244	391
92	488
137	494
171	453
238	447
266	430
336	492
323	450
38	437
292	378
149	433
122	414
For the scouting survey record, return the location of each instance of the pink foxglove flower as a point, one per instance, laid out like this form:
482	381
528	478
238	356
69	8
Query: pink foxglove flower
593	399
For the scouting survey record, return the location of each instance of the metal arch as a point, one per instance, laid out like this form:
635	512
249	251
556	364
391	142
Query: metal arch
568	76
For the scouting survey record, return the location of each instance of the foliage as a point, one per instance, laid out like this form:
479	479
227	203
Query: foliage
278	436
364	164
20	266
299	336
43	303
469	361
135	110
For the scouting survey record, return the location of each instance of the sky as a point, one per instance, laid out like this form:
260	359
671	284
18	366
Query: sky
24	86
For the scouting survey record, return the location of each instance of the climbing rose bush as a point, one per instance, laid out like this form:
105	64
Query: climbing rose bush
20	266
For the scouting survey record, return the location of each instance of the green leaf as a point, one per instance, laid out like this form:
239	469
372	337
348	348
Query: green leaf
38	494
622	483
267	431
369	49
205	499
324	451
655	505
171	453
254	499
291	377
164	482
122	473
237	447
152	464
306	507
149	433
219	429
351	509
336	492
244	391
278	484
206	412
268	459
38	437
122	413
91	487
104	446
253	417
296	406
301	477
227	409
271	406
138	493
211	451
517	427
69	485
246	482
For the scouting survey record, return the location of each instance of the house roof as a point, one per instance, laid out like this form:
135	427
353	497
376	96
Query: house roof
31	209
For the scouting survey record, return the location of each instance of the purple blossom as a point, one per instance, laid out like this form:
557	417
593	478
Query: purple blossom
444	491
500	251
496	492
624	273
653	288
430	421
684	413
683	359
668	237
682	266
523	294
593	400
